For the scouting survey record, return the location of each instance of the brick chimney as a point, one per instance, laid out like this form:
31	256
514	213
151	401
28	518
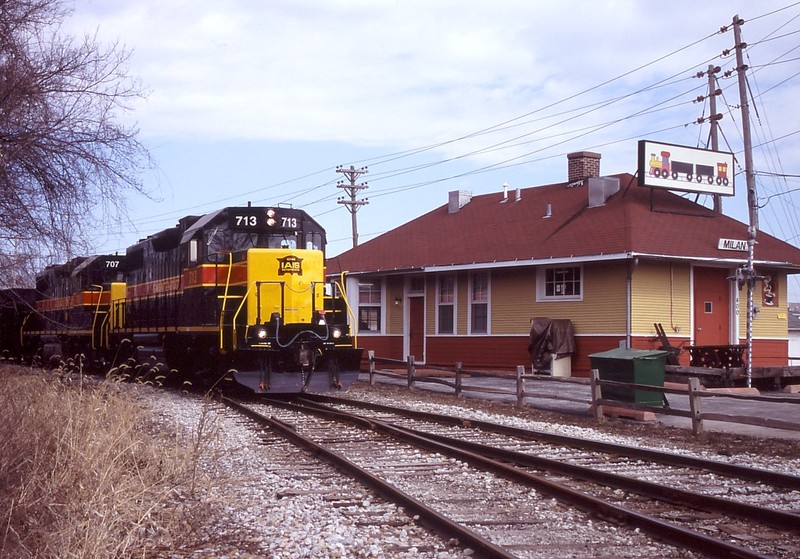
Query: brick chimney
582	165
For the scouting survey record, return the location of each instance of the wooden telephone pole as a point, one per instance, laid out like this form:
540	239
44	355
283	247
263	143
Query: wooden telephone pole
714	119
351	188
752	201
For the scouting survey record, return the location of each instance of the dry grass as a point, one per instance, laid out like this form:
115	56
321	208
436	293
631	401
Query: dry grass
83	474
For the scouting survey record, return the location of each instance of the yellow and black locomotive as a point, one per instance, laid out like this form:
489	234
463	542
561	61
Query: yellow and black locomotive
240	291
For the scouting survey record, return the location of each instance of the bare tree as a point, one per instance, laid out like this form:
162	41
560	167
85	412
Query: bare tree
65	159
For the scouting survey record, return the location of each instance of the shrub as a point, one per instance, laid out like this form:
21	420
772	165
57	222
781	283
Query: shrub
83	472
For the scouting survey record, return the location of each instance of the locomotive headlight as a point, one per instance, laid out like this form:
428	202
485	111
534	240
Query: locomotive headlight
271	217
261	334
336	333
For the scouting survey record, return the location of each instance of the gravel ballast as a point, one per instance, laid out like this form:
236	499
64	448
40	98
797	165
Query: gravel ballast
265	498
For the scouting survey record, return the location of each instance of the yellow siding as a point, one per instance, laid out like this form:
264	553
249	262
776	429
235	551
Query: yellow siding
513	292
602	311
430	308
394	313
661	292
771	322
605	303
462	302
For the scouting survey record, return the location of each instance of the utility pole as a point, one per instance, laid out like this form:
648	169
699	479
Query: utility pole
750	178
352	189
714	119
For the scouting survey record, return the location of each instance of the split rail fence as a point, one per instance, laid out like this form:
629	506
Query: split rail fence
595	402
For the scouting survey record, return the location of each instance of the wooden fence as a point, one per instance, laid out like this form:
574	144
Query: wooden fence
596	402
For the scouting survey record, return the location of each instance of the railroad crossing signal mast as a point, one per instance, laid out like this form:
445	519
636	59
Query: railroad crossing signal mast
352	189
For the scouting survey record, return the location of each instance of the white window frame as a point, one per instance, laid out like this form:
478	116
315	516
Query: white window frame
486	302
380	306
411	280
541	277
440	304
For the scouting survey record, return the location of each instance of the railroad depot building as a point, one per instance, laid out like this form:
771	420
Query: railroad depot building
464	282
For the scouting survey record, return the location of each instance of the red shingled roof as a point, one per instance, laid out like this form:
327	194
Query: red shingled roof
487	230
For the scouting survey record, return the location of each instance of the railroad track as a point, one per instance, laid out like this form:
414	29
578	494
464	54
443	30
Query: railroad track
507	492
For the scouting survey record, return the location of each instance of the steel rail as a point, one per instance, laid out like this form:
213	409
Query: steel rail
469	538
594	506
779	479
784	520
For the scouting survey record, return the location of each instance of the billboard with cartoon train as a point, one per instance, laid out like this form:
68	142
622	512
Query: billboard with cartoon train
684	168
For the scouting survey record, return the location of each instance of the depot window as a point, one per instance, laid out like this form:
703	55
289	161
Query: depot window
445	304
479	303
560	283
370	303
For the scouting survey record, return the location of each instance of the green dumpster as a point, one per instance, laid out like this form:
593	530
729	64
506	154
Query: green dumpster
635	366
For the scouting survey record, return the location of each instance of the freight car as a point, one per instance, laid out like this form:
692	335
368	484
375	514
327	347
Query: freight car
239	293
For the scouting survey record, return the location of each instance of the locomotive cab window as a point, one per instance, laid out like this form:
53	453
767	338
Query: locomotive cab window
217	244
282	241
313	241
243	240
192	252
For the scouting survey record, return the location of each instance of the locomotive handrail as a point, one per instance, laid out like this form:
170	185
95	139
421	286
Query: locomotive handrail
312	287
350	312
236	315
94	317
104	331
22	329
224	303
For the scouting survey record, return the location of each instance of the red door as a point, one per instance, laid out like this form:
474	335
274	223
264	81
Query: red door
712	306
416	328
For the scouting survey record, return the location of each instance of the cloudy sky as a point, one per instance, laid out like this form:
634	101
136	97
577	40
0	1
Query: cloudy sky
260	100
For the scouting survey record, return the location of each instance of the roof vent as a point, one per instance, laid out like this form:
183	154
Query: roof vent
601	189
457	199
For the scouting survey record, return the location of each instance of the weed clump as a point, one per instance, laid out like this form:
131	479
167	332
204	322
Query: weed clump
84	474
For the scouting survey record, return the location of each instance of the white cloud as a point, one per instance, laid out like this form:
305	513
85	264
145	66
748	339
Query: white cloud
388	75
381	71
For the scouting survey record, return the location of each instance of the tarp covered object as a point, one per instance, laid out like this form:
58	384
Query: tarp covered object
550	337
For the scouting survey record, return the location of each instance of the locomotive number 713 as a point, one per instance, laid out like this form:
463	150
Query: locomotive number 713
246	221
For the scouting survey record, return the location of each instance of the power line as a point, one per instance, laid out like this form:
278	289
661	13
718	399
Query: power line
530	156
